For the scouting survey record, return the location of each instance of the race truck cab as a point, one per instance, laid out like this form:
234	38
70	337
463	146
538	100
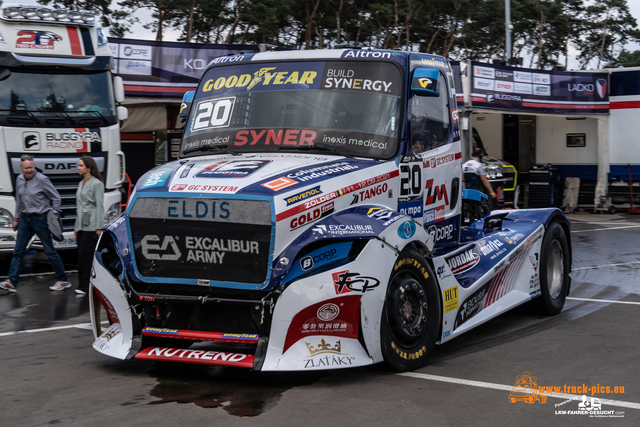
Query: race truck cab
312	221
57	104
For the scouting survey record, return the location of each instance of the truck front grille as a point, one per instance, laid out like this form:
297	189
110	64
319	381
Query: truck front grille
208	239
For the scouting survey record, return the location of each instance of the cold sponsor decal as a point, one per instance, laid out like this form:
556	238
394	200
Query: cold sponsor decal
471	306
338	317
303	195
407	229
463	261
311	216
347	281
232	169
263	77
35	39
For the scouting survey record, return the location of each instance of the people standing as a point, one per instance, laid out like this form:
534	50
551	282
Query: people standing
474	176
89	218
35	195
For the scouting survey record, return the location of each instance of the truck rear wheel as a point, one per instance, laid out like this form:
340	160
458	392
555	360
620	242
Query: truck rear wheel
554	270
411	314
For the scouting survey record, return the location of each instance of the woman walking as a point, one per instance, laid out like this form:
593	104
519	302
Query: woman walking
89	219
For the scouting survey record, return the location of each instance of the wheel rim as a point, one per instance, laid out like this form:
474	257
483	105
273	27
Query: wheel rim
407	310
555	269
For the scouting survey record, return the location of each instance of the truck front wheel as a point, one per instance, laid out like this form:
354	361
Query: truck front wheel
411	314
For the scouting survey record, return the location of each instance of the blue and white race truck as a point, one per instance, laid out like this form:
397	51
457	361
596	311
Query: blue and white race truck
313	221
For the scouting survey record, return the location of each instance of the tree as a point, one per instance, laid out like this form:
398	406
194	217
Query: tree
627	59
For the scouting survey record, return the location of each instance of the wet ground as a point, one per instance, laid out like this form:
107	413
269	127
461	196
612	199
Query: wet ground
51	375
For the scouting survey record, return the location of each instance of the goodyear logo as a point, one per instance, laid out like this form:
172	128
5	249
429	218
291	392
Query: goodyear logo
161	330
434	62
265	76
243	336
303	195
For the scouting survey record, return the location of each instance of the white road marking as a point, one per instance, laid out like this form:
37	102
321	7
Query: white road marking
53	328
605	265
604	300
39	274
609	228
503	387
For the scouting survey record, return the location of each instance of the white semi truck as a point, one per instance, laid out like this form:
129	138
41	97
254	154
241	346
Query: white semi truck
58	102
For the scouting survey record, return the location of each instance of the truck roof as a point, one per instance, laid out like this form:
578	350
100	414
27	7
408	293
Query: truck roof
401	57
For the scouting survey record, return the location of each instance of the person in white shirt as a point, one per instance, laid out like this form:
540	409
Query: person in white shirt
474	176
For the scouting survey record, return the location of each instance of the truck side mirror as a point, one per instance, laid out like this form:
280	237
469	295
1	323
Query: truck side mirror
185	107
118	89
425	82
122	112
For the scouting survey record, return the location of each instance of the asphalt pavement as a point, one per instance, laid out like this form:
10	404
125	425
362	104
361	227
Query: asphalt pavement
51	375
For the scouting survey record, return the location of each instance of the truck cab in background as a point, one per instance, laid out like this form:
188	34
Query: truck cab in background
58	102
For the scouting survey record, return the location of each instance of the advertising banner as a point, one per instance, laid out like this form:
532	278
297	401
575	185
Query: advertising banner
166	69
528	90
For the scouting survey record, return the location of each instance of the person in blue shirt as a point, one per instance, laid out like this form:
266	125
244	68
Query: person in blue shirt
35	195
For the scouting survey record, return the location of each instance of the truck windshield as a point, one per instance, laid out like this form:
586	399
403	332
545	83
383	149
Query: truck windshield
351	108
36	98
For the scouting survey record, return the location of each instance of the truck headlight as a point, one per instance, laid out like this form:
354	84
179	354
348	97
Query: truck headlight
6	219
112	213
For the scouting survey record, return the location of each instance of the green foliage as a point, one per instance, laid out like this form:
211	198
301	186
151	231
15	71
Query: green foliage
543	33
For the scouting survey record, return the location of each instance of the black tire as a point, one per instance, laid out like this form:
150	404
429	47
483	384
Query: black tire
555	266
411	314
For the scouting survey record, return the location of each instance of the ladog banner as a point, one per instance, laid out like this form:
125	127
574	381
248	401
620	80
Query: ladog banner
523	89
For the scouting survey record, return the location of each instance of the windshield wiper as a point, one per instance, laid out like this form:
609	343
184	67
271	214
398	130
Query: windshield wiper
327	147
221	148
